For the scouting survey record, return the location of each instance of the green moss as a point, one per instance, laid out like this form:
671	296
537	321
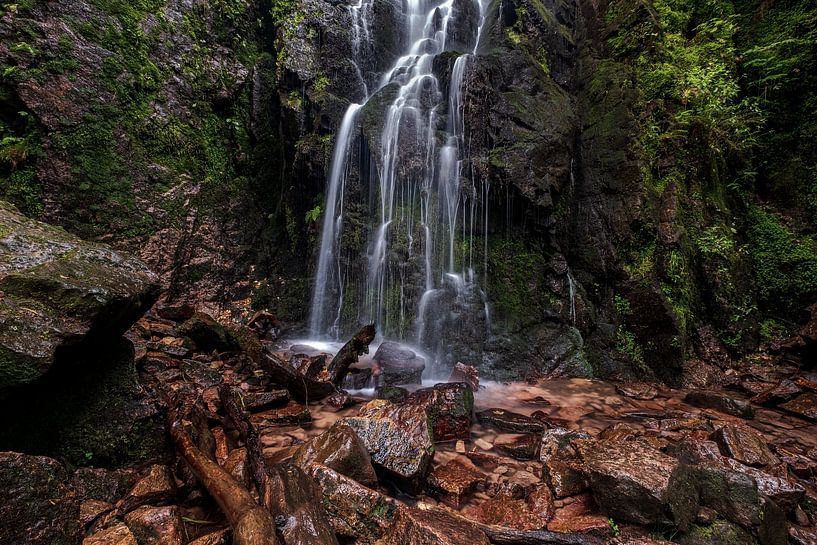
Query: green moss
516	281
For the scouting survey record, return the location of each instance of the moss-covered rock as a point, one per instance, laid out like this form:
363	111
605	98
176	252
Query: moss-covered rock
59	291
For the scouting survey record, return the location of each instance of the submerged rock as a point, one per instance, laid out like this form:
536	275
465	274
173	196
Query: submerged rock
635	483
38	507
58	291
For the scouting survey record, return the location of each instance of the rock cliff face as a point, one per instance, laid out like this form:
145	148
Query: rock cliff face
623	237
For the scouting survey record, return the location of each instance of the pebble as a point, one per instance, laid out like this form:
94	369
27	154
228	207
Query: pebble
483	444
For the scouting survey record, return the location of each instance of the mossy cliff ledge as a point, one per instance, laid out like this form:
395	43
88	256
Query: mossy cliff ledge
58	292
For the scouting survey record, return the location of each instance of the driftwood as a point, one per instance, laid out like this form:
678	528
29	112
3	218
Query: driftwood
285	491
251	523
302	388
349	354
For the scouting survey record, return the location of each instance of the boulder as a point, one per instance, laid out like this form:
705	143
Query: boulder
744	445
502	420
395	394
103	484
731	489
449	408
720	532
156	525
398	438
633	482
354	511
398	365
59	291
565	478
557	443
721	403
38	506
338	448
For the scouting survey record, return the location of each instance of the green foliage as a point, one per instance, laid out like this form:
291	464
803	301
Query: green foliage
312	216
19	149
785	264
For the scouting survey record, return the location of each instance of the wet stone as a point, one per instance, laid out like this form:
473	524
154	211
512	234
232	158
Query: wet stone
155	487
102	484
357	379
338	448
720	403
453	481
784	391
398	365
540	502
91	510
506	511
115	535
465	373
804	405
802	536
564	478
744	445
260	401
397	437
502	420
635	483
449	408
395	394
525	447
340	400
291	414
719	532
221	537
431	527
557	443
156	525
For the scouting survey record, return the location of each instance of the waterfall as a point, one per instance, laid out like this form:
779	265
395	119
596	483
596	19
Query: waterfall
426	215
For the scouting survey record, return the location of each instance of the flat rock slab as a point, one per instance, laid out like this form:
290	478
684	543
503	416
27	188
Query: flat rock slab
453	481
502	420
636	483
744	445
721	403
803	405
291	414
431	527
505	511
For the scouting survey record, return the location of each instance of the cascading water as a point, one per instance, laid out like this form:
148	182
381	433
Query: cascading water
417	273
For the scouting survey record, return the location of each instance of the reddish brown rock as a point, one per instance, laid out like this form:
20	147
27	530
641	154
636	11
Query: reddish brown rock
454	481
580	516
291	414
524	447
431	527
103	484
115	535
449	409
744	445
719	402
540	502
804	405
634	483
467	374
354	510
638	390
802	536
621	431
156	525
221	537
781	392
505	511
37	507
557	443
91	510
565	478
502	420
338	448
155	487
397	437
260	401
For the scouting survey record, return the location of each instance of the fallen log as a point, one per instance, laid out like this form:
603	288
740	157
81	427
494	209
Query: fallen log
349	354
285	491
251	523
